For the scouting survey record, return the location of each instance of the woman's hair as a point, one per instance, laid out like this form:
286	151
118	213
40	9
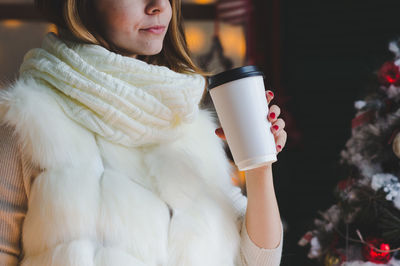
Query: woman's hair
76	19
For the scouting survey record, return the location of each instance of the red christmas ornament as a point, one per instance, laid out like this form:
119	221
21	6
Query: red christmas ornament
389	74
375	256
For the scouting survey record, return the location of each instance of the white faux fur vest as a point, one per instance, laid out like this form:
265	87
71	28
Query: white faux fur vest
99	203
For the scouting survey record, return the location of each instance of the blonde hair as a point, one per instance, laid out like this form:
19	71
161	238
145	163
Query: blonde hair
75	20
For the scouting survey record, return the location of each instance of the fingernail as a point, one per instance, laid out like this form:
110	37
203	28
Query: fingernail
279	147
270	93
276	127
272	115
217	131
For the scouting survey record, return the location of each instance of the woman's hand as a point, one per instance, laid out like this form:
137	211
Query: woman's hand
263	222
277	127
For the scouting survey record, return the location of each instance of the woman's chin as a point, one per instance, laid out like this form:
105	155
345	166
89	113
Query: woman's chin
144	53
152	51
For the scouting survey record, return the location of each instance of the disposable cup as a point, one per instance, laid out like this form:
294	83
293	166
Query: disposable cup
242	108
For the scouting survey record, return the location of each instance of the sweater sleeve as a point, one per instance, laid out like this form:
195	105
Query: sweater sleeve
251	254
13	197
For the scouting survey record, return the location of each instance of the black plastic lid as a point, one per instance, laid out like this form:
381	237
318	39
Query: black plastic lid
233	74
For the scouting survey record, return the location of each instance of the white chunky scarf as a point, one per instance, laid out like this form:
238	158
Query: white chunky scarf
123	99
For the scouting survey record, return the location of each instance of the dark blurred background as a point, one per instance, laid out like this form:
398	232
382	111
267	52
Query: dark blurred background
318	56
330	51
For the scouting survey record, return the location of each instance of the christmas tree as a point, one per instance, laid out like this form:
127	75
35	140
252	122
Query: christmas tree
363	226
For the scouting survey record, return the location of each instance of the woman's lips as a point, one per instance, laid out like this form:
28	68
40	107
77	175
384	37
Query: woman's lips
155	29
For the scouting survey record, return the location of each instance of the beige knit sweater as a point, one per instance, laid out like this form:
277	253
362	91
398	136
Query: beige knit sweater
16	173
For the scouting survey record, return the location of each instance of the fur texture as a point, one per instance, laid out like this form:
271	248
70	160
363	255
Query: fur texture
100	203
123	99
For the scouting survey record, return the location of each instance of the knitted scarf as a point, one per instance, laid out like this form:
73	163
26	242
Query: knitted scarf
123	99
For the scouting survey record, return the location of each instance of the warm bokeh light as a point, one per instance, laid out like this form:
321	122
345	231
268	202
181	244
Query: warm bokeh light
233	40
52	28
199	35
12	23
203	2
242	178
239	177
195	38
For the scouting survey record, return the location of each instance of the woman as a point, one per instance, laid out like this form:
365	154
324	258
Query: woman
107	158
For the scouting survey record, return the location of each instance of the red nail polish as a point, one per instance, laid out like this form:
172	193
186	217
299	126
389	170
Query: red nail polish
276	127
279	147
272	115
271	93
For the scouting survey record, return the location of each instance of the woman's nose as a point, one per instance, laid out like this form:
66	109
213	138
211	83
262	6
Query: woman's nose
156	6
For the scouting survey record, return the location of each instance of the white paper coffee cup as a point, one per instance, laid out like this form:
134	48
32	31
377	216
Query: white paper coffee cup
242	108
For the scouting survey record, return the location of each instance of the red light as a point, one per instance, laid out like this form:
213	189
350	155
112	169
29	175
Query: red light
375	256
